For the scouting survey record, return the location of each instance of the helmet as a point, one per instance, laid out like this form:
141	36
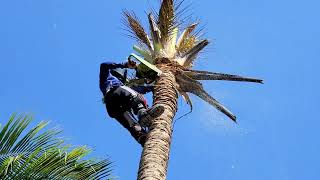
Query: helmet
119	73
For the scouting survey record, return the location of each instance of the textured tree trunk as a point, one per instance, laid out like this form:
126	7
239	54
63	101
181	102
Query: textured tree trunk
155	155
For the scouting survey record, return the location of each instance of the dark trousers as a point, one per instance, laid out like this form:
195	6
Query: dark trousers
119	103
126	120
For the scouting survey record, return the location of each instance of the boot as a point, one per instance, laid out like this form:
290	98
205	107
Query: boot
142	139
146	115
140	134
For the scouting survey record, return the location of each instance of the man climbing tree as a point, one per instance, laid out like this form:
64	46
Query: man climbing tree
121	100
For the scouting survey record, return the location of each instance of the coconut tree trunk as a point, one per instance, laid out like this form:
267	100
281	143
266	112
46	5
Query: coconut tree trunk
155	155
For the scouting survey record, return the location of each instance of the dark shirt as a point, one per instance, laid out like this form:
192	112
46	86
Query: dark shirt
107	81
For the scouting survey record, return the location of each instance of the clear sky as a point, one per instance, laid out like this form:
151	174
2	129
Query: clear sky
50	52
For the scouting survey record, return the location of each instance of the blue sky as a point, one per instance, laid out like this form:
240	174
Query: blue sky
50	53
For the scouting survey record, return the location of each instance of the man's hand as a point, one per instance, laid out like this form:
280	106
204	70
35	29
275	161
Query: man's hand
148	81
131	64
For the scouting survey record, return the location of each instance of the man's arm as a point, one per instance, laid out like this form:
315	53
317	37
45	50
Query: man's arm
112	65
142	89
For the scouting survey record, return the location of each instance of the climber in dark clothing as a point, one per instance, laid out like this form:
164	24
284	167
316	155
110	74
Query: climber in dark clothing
121	100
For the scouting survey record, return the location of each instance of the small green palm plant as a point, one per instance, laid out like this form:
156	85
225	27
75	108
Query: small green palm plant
39	154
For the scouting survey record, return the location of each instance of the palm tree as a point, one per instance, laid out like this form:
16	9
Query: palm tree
174	57
35	155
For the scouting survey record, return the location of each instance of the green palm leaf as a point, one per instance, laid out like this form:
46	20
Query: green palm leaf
41	155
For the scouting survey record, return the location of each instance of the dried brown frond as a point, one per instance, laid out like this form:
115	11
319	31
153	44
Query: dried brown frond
186	97
136	28
190	85
191	55
166	19
209	99
205	75
187	84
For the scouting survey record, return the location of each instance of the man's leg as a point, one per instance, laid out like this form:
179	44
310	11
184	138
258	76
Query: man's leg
130	99
137	132
118	107
138	104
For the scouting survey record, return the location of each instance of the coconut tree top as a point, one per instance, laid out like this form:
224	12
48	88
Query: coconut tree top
166	46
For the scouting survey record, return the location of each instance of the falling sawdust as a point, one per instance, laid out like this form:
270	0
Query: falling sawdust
215	122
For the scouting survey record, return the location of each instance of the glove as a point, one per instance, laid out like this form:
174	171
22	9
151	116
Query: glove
131	64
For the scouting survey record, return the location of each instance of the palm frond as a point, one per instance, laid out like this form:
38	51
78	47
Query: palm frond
209	99
206	75
187	44
136	28
186	98
145	53
193	52
155	33
10	135
57	164
38	155
185	35
166	19
8	164
170	44
189	85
